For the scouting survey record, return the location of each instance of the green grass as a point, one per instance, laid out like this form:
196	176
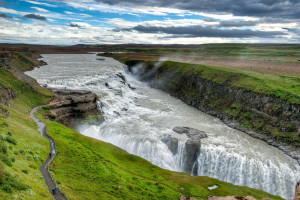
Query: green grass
25	149
90	169
285	87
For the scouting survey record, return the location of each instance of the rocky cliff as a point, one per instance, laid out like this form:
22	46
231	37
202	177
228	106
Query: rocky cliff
263	116
70	107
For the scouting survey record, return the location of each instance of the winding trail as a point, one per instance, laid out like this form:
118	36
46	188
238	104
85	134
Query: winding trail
45	167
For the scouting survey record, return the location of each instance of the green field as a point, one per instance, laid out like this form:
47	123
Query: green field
259	52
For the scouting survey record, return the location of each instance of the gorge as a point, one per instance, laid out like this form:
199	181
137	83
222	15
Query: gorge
141	120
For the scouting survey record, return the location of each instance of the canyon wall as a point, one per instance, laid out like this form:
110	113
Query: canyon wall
260	115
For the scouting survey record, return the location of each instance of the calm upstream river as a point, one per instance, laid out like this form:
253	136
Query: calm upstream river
137	119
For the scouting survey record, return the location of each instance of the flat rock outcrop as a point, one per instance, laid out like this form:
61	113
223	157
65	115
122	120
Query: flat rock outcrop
192	133
73	106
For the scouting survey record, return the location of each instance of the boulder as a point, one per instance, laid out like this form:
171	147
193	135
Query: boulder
192	133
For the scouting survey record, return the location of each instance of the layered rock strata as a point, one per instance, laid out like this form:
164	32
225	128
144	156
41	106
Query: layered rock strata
71	107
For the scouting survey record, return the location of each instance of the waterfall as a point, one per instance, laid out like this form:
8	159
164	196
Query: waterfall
140	120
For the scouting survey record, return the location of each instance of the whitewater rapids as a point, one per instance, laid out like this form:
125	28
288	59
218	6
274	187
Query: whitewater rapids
137	117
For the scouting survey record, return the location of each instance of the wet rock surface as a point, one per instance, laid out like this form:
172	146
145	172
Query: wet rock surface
171	142
73	106
192	133
191	148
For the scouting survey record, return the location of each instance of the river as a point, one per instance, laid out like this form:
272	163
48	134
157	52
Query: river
137	117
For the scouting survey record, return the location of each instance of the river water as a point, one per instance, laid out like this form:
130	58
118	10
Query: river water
137	117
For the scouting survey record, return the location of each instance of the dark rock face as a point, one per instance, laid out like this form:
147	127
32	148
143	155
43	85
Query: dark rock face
71	106
259	115
171	142
6	59
192	151
191	148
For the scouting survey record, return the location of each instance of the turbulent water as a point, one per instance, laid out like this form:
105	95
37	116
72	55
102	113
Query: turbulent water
137	117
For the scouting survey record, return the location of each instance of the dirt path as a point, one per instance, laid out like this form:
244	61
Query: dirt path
45	167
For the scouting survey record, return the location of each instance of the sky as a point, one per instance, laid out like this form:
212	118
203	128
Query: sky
64	22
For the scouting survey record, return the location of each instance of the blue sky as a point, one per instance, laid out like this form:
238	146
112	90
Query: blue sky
153	21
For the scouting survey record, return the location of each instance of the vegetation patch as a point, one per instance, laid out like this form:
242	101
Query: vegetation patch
19	136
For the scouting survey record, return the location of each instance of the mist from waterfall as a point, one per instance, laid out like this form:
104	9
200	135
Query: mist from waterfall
138	119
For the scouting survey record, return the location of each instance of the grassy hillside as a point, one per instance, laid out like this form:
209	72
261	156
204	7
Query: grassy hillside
22	148
285	87
90	169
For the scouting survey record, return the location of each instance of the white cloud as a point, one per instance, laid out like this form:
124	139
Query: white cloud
11	11
41	32
69	13
39	3
40	9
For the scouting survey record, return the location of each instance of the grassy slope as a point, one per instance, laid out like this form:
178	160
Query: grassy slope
28	149
90	169
285	87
